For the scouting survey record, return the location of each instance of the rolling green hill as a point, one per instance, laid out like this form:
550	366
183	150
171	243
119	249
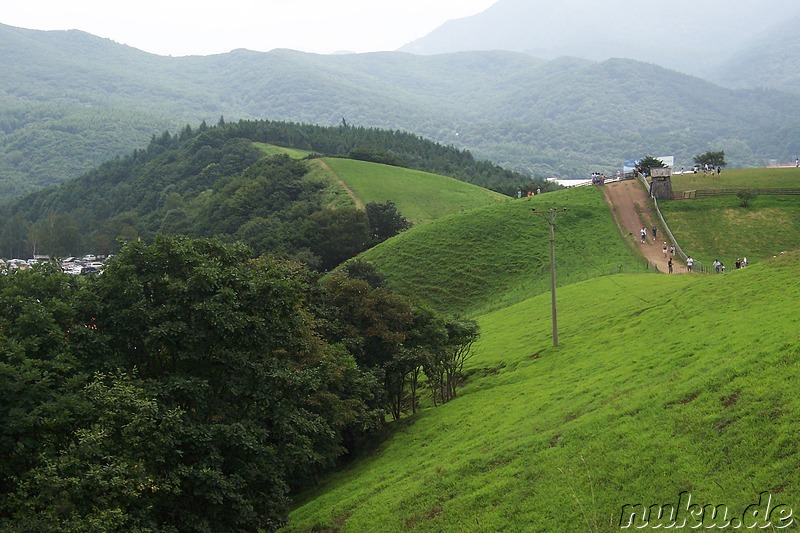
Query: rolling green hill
661	386
498	255
419	196
254	181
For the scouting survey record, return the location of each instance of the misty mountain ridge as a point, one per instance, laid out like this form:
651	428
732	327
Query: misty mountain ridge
699	38
70	100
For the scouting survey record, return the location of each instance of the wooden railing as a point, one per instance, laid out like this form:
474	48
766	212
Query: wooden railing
708	193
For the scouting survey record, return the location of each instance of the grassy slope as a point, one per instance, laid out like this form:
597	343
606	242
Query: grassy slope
419	196
498	255
764	178
271	149
661	384
718	228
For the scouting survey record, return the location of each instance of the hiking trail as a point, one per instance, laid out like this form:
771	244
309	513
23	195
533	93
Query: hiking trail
632	208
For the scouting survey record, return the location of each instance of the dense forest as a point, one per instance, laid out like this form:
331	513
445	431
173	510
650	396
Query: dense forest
216	182
194	387
70	101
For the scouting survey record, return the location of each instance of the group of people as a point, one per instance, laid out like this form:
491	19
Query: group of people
530	192
719	267
644	234
598	178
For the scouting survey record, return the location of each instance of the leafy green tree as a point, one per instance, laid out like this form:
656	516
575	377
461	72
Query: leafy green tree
114	464
444	367
372	323
339	235
714	159
14	237
646	164
385	221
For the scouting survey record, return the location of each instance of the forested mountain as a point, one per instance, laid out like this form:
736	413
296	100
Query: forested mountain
69	101
219	182
694	37
769	60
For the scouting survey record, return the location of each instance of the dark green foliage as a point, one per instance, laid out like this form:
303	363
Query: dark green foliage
339	234
396	341
185	389
648	163
745	197
363	270
715	159
376	156
385	221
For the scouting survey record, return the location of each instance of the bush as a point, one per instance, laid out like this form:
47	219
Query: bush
745	197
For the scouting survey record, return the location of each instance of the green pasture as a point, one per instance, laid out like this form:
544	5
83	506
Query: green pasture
739	178
660	385
271	149
497	255
419	196
719	228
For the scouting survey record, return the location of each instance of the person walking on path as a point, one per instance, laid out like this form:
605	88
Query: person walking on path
689	263
655	232
669	264
644	235
664	249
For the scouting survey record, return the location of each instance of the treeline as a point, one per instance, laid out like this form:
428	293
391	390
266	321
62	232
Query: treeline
214	181
193	387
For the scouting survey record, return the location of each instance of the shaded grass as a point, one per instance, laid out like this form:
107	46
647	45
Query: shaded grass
661	384
718	228
419	196
492	257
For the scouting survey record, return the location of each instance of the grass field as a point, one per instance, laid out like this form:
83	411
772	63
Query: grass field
661	385
718	228
739	178
419	196
498	255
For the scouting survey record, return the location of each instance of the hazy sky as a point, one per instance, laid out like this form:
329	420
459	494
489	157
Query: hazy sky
180	27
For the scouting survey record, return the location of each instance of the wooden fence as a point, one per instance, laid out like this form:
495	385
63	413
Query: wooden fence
707	193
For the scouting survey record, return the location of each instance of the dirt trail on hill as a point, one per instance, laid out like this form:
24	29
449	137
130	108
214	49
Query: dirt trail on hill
632	209
350	193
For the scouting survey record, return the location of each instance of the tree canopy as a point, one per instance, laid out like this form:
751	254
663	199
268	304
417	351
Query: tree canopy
193	386
714	159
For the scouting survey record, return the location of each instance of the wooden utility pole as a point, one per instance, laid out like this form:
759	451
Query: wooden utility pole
552	213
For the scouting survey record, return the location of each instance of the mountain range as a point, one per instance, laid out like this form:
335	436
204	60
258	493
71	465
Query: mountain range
745	43
70	100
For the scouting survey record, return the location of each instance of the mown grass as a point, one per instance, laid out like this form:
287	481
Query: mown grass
739	178
419	196
719	228
661	384
498	255
271	149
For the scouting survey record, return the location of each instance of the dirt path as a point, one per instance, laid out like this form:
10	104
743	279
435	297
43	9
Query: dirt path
350	193
632	209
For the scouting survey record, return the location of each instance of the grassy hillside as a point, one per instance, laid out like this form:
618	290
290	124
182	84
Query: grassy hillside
736	178
661	384
500	254
419	196
719	228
